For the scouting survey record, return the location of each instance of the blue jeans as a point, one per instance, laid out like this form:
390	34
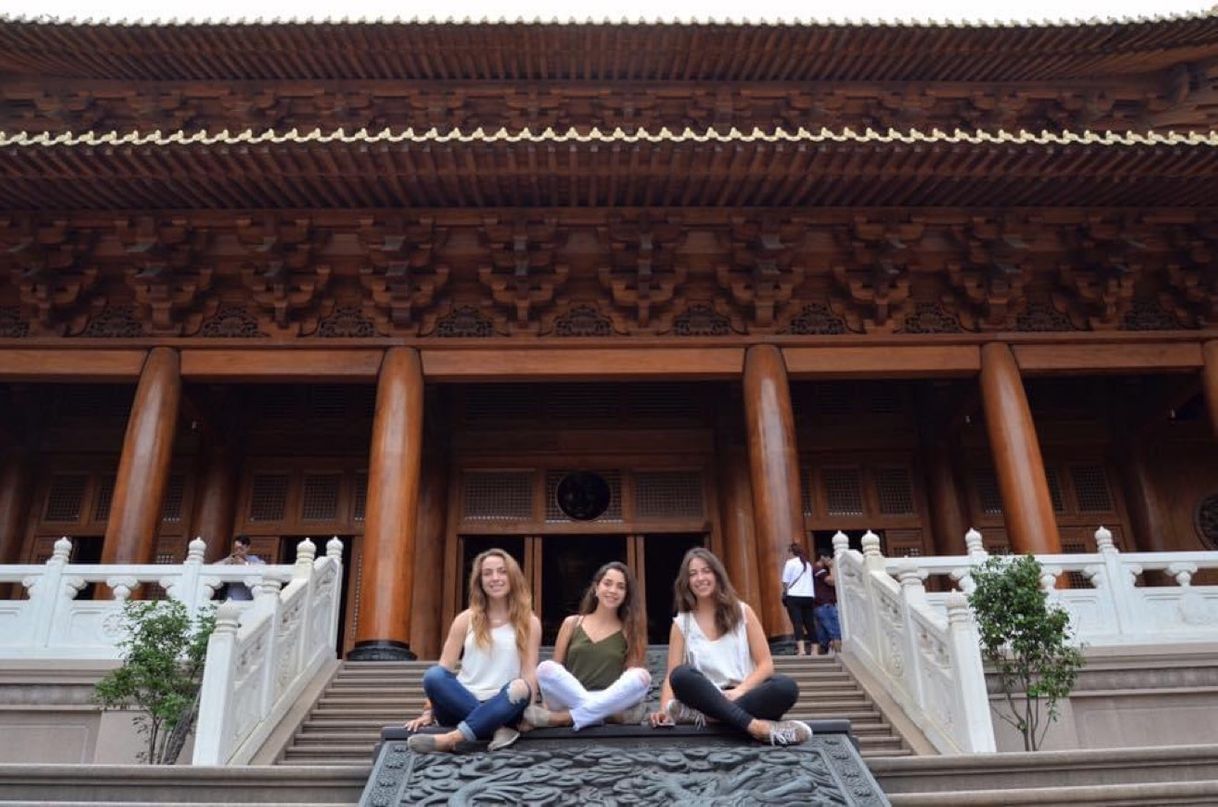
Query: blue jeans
827	626
454	705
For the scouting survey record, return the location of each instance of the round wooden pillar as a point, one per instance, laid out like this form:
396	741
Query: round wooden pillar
427	606
736	521
15	491
216	501
143	469
387	558
1027	508
1209	382
773	472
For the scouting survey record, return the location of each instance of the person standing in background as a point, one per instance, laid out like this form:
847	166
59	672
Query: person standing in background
828	629
799	597
241	557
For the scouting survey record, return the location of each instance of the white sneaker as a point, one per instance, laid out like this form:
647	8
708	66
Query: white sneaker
789	732
679	713
502	738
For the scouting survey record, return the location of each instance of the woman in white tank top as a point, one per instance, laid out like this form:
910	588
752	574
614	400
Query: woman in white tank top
719	664
497	640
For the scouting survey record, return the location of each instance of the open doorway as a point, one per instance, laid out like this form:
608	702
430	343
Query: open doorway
567	565
662	554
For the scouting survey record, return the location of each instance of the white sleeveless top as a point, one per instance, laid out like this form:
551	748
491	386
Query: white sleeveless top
484	670
726	661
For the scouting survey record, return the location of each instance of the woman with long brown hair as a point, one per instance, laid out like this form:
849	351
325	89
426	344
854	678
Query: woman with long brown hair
597	672
719	664
497	640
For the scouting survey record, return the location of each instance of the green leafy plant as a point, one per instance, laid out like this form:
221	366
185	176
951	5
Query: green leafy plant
162	672
1028	643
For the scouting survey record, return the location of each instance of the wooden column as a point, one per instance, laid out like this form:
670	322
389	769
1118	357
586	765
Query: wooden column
427	603
15	490
1027	508
947	518
143	469
1209	382
774	473
387	558
736	519
216	500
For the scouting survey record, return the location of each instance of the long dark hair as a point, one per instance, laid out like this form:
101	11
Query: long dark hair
727	602
630	612
798	551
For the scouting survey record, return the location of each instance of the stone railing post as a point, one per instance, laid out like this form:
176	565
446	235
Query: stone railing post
841	544
1120	580
216	693
975	731
47	593
913	598
185	586
334	551
306	553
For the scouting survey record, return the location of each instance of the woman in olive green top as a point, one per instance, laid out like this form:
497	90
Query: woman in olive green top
596	673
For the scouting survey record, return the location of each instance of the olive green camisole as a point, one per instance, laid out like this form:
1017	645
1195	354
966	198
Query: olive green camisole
596	665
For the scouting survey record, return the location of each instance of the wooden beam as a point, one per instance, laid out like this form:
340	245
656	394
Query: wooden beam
886	361
1112	358
281	366
58	365
517	364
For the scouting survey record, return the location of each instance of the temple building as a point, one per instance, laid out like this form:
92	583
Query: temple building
604	291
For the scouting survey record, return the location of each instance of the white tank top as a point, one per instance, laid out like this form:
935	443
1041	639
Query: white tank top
484	670
726	661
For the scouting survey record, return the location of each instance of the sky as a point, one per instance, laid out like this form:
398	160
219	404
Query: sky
649	10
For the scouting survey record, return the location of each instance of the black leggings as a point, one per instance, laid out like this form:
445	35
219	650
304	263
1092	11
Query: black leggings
769	700
801	610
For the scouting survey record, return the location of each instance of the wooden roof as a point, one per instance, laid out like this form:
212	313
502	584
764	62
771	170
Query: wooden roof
618	169
590	51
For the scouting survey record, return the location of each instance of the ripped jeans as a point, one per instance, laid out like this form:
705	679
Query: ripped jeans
454	705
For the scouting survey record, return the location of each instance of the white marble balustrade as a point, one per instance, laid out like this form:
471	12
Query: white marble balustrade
51	624
259	661
923	647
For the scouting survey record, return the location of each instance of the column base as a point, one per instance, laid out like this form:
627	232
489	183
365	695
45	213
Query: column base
381	650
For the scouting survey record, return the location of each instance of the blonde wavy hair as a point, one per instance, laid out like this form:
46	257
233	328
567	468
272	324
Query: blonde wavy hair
520	601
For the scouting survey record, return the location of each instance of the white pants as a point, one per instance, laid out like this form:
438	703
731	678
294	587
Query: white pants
561	690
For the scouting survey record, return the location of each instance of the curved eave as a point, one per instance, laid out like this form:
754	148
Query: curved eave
712	51
644	170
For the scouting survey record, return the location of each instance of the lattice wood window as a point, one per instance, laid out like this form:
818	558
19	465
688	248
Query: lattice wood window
104	498
612	513
319	500
806	496
175	495
360	496
65	498
268	497
582	402
1055	490
497	495
669	494
501	401
843	491
903	543
894	491
1091	488
94	401
662	401
985	481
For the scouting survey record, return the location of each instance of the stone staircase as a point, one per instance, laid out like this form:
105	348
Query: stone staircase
363	697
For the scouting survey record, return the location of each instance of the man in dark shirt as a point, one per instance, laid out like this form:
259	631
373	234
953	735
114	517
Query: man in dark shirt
828	629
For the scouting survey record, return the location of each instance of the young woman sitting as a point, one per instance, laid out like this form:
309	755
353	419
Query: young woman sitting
596	674
497	640
719	664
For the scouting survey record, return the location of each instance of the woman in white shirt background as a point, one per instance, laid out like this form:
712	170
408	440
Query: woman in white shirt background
799	596
497	641
719	663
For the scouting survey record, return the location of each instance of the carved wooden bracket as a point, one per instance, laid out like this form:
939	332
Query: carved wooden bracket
643	272
988	284
165	274
762	274
1096	284
52	267
1191	293
281	273
401	275
873	292
523	274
